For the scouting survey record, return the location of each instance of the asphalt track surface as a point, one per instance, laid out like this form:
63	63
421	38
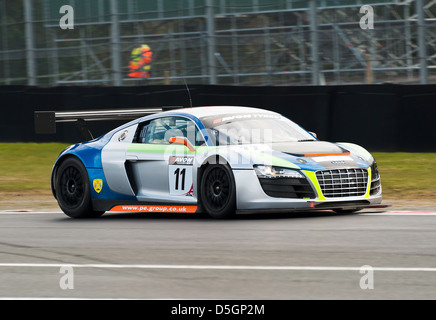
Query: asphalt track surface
259	256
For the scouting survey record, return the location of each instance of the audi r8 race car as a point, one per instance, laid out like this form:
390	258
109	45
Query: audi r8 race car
217	160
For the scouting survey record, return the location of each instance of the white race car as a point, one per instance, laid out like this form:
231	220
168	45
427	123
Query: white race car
218	160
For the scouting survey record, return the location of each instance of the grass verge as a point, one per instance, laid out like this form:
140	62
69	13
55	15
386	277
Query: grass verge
407	175
25	171
25	168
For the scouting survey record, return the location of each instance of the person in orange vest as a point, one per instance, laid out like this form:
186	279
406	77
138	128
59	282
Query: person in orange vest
140	62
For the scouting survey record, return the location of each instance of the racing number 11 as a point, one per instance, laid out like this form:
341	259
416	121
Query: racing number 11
178	173
180	179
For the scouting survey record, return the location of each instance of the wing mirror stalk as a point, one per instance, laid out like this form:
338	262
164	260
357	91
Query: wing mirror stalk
182	140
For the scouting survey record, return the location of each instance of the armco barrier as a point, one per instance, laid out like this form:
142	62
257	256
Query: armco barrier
379	117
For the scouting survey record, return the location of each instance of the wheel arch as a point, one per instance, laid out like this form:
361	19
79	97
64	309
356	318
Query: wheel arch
213	159
56	166
358	149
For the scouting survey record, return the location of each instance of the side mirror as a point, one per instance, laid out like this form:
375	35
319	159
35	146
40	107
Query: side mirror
182	140
313	134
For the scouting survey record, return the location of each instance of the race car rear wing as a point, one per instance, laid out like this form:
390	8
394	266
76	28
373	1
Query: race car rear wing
45	121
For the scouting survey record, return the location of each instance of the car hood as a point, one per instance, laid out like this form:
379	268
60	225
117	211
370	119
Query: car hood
301	149
318	155
310	155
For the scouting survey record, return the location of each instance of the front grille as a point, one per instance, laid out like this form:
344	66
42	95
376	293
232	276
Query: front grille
343	182
287	188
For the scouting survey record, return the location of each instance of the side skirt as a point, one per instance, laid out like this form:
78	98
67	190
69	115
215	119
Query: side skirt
136	206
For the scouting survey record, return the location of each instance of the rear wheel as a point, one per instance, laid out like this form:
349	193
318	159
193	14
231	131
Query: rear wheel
73	191
218	191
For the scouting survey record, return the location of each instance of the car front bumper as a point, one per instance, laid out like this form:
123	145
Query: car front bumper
251	196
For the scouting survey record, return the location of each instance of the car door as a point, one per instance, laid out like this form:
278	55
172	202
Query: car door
160	170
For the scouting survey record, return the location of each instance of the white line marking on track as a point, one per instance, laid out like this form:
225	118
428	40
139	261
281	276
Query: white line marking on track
22	212
386	213
400	213
78	298
213	267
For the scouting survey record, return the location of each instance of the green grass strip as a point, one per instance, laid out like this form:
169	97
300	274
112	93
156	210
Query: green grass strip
26	167
407	175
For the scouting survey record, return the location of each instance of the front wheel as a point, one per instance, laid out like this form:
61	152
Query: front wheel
218	191
73	191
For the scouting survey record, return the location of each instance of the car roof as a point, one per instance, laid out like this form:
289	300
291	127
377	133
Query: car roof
198	112
201	112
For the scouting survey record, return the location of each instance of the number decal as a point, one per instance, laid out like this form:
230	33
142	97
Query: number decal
176	173
183	174
180	180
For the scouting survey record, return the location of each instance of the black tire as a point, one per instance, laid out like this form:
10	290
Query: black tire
218	191
73	191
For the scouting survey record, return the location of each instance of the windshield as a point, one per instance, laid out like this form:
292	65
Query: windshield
253	128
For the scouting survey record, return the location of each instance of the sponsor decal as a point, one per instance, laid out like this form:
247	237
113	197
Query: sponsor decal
249	116
327	154
154	208
181	161
98	185
190	193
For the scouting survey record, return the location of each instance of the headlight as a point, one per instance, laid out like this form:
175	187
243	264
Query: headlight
374	171
276	172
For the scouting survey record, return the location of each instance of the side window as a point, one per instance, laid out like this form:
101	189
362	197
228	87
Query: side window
142	133
159	131
156	131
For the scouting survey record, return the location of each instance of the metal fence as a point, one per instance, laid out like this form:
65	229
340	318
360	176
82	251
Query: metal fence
244	42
